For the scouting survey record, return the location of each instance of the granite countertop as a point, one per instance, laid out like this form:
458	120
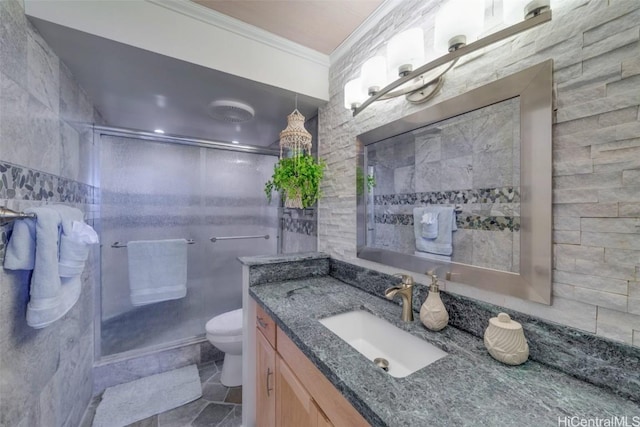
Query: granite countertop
465	388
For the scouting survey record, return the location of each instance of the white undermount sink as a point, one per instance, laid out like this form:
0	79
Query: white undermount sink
376	338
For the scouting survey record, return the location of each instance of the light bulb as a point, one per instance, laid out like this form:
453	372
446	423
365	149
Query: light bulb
458	22
514	11
353	94
405	51
374	74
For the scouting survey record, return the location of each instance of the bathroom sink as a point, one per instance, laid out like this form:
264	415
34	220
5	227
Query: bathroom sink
376	338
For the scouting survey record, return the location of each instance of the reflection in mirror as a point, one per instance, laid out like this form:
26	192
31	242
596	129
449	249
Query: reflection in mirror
463	188
450	190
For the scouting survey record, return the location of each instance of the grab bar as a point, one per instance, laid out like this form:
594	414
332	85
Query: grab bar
7	215
215	239
121	245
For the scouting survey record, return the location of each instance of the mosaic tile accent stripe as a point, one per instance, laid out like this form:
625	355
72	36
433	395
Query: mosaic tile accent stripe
18	182
485	195
469	222
301	226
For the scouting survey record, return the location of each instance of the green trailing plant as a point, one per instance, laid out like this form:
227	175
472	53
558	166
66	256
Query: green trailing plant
361	179
297	176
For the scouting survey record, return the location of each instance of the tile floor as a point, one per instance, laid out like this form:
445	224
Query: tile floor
219	406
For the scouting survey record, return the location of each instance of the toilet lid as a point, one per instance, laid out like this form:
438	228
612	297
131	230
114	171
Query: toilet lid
229	323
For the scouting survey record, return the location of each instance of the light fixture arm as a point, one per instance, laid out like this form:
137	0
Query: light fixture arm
408	89
452	57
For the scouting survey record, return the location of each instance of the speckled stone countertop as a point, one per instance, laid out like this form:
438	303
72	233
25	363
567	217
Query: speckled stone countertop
465	388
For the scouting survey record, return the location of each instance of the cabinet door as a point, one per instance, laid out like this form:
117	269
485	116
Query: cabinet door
294	405
323	421
265	382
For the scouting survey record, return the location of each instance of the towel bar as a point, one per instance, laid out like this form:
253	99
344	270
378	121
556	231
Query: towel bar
7	215
262	236
124	245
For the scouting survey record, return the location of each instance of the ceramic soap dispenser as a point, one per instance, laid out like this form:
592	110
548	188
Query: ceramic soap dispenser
433	313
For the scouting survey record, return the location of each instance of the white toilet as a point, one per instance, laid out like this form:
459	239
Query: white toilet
225	333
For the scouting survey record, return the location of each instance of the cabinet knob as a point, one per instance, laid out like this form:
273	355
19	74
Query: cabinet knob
261	322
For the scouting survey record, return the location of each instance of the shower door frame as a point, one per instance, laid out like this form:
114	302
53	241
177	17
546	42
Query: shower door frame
98	133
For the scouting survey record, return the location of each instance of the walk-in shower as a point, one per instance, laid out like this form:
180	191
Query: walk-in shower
159	189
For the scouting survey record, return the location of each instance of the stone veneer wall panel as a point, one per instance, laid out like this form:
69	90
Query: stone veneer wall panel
595	46
45	374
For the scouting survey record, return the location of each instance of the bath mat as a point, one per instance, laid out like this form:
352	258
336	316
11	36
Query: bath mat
127	403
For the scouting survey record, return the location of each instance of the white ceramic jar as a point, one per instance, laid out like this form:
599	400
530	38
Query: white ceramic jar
504	338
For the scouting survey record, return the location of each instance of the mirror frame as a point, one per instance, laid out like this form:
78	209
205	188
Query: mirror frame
534	87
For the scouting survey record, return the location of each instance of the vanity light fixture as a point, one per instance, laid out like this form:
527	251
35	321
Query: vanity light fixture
160	131
458	25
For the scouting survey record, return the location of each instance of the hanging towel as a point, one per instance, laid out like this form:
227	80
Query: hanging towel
21	249
443	243
157	270
38	245
73	250
429	223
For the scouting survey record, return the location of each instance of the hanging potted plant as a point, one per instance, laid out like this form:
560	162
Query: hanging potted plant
297	177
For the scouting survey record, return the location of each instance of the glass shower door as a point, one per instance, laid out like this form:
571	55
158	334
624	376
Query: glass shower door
155	191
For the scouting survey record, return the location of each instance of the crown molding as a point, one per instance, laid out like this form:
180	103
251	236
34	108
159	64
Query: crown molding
219	20
372	20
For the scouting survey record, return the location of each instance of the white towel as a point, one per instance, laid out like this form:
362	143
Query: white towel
21	249
72	253
157	270
429	223
443	243
38	245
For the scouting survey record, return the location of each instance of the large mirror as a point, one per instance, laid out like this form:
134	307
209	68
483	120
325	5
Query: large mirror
463	188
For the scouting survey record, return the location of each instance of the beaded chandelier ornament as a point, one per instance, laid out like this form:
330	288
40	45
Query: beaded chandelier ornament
297	139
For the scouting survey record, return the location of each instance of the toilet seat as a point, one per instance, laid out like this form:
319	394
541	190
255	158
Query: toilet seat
226	324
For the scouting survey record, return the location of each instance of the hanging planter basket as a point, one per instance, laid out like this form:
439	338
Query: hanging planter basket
297	175
293	199
298	181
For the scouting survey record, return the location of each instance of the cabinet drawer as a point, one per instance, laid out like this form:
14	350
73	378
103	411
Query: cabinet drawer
266	325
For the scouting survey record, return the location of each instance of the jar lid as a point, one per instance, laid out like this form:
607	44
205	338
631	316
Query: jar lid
503	321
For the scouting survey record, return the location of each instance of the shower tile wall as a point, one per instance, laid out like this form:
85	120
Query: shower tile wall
45	146
471	161
154	191
299	230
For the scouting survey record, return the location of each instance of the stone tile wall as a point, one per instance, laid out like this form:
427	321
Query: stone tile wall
45	374
595	46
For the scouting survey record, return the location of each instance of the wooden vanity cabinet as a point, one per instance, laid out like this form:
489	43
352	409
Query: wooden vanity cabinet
265	382
290	390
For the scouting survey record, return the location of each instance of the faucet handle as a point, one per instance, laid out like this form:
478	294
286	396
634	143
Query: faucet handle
407	280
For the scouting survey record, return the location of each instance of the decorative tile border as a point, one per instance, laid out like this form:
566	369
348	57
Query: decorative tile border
301	226
484	195
21	183
469	222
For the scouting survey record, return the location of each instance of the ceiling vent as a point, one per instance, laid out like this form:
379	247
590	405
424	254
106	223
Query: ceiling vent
231	111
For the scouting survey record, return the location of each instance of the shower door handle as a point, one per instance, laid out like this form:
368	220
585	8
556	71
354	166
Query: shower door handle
269	388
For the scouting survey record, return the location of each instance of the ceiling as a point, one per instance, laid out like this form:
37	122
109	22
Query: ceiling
141	90
319	25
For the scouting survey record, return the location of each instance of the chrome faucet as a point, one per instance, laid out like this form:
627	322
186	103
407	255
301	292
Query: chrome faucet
405	290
